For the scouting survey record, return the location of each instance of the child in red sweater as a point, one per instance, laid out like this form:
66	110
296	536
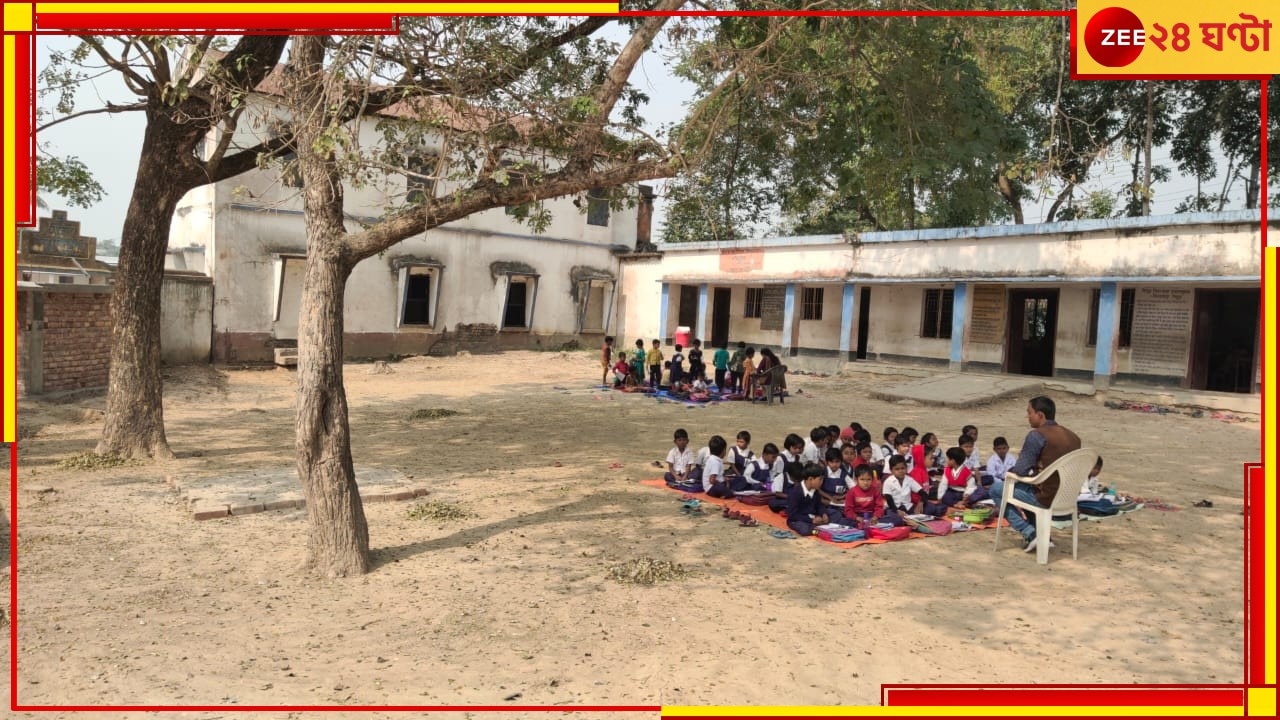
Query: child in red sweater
864	501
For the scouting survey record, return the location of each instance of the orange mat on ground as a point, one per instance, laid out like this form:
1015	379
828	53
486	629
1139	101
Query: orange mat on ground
765	516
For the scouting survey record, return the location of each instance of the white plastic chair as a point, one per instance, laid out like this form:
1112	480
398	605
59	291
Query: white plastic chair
1073	471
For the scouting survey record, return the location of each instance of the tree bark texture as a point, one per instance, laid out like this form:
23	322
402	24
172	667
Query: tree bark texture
134	421
338	539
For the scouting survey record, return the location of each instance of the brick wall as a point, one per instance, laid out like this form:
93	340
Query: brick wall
20	346
67	331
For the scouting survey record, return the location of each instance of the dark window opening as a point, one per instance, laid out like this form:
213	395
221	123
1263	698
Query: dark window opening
755	298
1126	317
598	207
811	305
417	300
938	306
517	299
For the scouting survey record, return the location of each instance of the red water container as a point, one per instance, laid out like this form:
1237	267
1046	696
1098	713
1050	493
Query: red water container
683	336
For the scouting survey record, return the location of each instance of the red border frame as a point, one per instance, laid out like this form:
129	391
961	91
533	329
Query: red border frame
922	695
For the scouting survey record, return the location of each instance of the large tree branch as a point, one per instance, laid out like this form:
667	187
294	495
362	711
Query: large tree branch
247	159
110	108
136	83
606	97
486	194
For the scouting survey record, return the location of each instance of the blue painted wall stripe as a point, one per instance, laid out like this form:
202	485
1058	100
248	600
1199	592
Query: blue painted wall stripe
1107	327
847	312
959	320
662	310
700	331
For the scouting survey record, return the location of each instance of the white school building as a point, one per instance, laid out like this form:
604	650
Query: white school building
1171	301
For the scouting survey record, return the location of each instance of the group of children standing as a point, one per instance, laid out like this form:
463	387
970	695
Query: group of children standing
839	476
734	374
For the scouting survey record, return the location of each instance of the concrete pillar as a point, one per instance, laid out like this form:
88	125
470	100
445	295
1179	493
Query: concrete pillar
1108	334
700	330
789	325
662	311
959	324
848	312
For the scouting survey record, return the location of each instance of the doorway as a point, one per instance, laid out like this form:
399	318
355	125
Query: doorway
864	322
720	299
687	315
1033	325
1224	338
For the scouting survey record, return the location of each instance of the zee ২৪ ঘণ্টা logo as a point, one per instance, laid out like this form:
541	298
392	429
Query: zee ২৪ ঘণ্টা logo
1114	37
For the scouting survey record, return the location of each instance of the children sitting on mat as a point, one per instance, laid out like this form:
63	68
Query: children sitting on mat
958	488
932	450
714	482
815	448
740	454
698	391
792	471
864	503
835	484
679	461
1001	459
901	448
767	472
972	431
889	448
901	491
971	460
849	457
805	508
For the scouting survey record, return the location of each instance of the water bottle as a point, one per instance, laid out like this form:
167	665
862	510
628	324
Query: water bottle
1111	494
866	522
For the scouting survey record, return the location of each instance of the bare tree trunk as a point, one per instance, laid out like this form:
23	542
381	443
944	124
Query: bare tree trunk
1009	193
338	542
134	421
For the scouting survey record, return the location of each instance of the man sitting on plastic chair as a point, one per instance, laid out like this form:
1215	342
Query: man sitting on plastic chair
1046	442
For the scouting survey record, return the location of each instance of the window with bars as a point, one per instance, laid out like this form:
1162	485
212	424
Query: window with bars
811	304
936	320
598	207
1127	297
755	297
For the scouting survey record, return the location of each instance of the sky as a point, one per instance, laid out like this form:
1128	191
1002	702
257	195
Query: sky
109	145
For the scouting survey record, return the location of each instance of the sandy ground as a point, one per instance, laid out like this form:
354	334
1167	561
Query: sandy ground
123	599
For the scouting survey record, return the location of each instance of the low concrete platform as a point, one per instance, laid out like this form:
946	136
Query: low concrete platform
967	389
278	488
961	390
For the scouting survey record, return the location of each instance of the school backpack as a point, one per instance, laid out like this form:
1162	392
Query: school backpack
1097	508
901	532
930	527
842	535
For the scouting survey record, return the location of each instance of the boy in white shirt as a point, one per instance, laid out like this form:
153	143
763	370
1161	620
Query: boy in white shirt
713	480
815	448
1000	462
766	473
901	491
679	461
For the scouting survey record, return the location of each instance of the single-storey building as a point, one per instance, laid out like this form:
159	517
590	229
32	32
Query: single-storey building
1172	300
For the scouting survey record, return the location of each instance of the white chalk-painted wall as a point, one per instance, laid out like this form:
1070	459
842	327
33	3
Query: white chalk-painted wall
251	229
1182	253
